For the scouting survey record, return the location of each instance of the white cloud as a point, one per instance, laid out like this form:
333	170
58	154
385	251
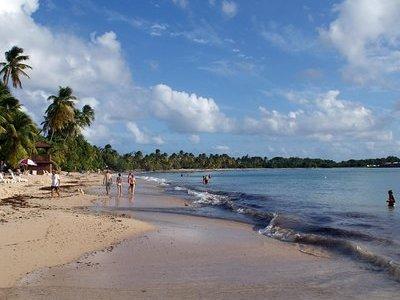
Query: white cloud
326	118
142	137
194	138
229	8
19	6
186	112
367	34
62	59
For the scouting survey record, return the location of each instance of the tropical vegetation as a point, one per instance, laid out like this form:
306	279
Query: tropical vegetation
63	124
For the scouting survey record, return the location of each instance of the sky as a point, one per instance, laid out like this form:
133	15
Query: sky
269	78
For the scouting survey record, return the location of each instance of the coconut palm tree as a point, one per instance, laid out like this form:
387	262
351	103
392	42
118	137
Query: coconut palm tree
18	140
14	66
83	118
8	104
60	112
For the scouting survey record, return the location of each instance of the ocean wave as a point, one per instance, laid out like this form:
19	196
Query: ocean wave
293	228
207	198
332	244
160	181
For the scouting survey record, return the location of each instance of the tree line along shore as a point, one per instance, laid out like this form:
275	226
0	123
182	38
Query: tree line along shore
63	123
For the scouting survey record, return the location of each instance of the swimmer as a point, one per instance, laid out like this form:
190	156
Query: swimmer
390	200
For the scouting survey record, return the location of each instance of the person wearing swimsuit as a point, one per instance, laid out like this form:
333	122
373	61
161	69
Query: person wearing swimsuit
132	183
119	184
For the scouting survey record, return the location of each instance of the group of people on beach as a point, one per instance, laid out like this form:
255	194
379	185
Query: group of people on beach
108	179
131	180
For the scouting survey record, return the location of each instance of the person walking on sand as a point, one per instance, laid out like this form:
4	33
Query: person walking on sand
107	181
55	183
132	183
390	201
119	184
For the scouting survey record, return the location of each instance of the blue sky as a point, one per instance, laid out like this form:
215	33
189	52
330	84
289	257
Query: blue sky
270	78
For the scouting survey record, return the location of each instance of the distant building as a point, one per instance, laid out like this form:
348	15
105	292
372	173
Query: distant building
43	158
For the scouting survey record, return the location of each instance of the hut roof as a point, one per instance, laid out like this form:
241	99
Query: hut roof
43	145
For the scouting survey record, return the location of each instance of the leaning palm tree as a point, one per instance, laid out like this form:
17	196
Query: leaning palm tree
60	112
14	66
19	138
83	118
8	104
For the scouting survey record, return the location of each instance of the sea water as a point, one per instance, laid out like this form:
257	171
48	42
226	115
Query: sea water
342	210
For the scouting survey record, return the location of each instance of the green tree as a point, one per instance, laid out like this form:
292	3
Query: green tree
18	140
14	66
7	104
82	118
60	113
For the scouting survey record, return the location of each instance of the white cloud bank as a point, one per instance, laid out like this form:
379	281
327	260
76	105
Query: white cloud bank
184	112
326	118
367	34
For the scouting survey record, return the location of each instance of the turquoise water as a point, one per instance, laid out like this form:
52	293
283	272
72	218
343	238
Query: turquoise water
343	210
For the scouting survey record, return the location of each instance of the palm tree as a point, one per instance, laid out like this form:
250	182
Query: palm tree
18	140
60	112
83	118
8	104
14	66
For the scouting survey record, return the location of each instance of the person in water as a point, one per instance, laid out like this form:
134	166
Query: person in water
390	201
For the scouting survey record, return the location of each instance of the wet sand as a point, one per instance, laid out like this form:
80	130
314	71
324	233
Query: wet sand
191	257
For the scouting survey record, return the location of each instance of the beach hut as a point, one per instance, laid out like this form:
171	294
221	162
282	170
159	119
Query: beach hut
42	159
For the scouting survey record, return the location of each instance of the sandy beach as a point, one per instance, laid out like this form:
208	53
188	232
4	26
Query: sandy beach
37	231
96	247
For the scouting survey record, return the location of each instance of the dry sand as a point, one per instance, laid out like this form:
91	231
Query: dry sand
37	231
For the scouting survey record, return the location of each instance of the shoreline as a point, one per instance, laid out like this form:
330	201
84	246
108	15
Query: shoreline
189	256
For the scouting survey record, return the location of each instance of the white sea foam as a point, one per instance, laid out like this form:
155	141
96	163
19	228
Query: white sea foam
160	181
207	198
179	188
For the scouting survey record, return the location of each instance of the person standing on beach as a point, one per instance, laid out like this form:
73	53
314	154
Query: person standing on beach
119	184
107	181
55	183
132	183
